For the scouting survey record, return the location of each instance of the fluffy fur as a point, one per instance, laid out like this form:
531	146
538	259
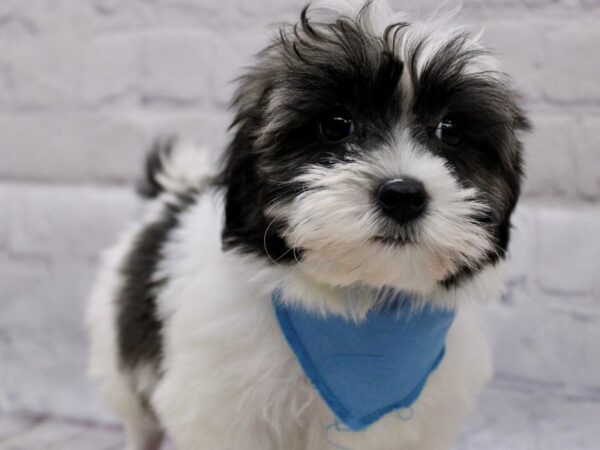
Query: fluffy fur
184	338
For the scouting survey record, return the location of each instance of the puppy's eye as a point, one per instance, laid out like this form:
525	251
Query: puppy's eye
336	126
448	132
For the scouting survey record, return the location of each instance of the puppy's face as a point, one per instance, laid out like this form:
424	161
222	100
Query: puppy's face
380	154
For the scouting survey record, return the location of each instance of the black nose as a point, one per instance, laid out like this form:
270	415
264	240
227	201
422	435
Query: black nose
403	199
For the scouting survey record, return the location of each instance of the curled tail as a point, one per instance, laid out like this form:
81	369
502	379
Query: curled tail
176	167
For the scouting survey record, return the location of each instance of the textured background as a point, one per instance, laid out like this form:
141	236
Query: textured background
86	85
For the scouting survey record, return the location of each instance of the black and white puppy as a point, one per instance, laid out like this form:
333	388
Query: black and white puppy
369	151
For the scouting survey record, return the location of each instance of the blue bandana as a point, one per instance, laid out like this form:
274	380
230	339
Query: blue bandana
365	370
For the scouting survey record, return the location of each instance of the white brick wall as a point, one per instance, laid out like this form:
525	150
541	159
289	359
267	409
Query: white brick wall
86	85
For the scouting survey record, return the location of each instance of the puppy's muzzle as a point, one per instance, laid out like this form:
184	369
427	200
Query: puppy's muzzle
403	199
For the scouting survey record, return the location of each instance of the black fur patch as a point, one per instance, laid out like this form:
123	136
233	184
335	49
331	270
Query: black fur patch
139	329
313	68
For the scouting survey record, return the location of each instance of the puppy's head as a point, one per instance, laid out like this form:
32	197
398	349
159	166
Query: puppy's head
375	151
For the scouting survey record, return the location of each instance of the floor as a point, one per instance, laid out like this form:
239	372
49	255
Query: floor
528	418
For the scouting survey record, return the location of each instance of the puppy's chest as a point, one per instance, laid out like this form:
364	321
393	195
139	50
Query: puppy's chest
282	365
232	357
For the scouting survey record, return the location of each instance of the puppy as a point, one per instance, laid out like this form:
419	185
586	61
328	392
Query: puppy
316	292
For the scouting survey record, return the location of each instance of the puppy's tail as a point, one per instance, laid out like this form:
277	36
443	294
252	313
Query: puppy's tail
177	167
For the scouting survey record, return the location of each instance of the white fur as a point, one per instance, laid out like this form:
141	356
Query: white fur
334	221
187	166
230	379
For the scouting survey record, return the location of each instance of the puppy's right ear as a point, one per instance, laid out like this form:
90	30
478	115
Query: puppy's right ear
244	191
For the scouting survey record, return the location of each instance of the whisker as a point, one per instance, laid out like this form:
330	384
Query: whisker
295	255
274	261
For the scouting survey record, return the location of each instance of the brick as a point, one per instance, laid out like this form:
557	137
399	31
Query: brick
92	147
4	220
175	66
567	251
207	128
44	364
67	71
544	346
42	72
108	16
507	7
18	276
60	221
70	147
417	9
530	419
568	424
28	321
55	237
151	66
51	17
278	9
112	70
550	158
587	151
59	435
13	26
233	53
502	420
572	61
206	14
11	427
521	246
